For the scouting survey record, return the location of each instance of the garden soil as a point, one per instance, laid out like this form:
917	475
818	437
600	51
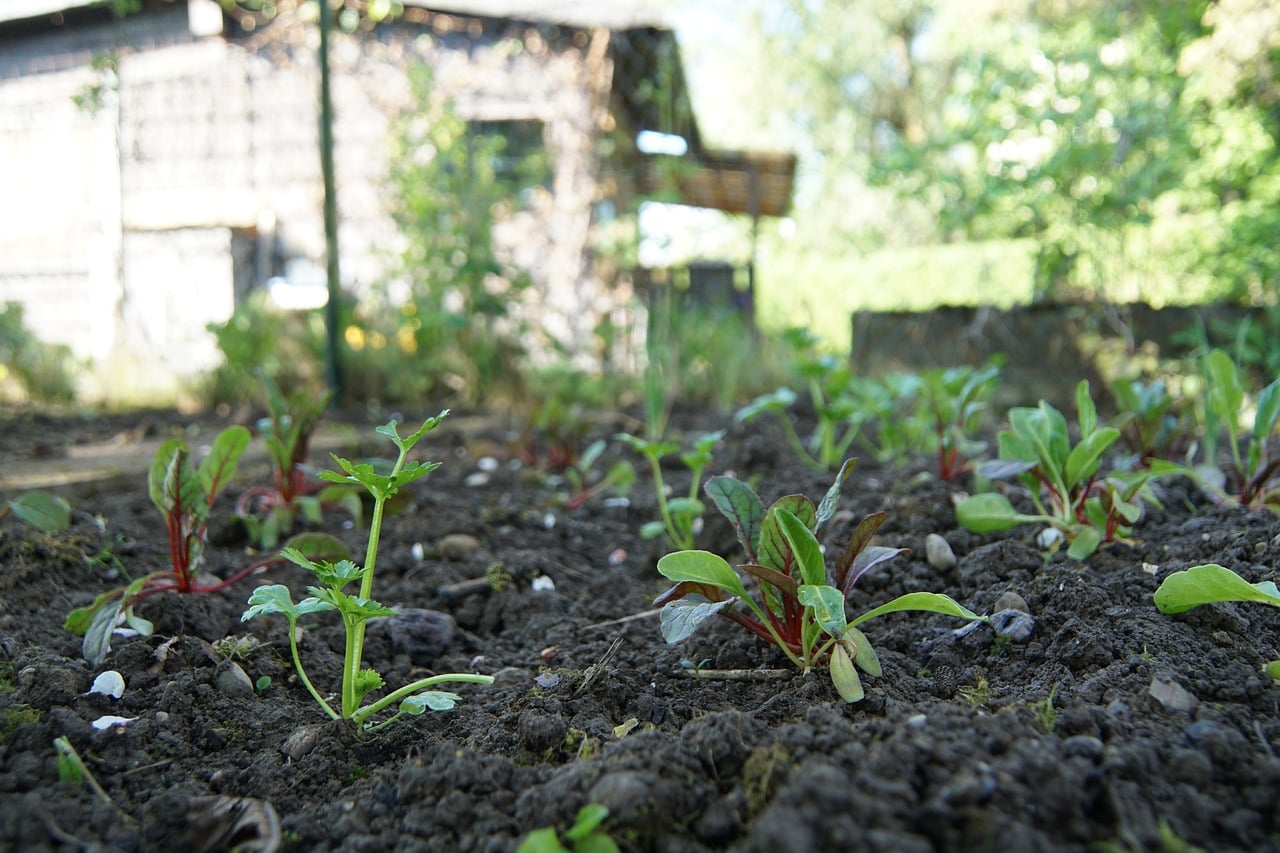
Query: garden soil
1109	726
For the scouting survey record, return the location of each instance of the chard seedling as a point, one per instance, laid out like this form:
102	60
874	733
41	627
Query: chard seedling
1153	423
1212	583
830	386
1065	486
957	399
680	516
269	512
46	513
619	478
356	610
799	605
1252	478
185	497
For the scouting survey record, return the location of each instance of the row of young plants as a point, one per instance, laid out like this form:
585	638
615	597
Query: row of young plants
1083	490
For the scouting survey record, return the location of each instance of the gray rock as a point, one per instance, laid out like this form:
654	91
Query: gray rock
1172	695
458	546
1017	625
231	680
939	553
421	634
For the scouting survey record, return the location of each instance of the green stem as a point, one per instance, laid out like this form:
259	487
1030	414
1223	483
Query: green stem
764	619
302	673
355	633
673	535
409	689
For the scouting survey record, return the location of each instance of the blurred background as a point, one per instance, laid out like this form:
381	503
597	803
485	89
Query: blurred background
568	198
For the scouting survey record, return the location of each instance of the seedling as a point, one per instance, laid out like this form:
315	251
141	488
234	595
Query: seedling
357	610
587	835
185	497
830	386
1063	480
890	405
1211	583
1153	423
681	516
957	398
270	512
619	478
46	513
801	603
1251	479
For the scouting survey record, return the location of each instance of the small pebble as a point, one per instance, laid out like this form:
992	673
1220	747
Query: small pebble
477	478
1011	601
1049	538
302	741
1017	625
487	464
939	553
1172	695
542	583
458	546
231	680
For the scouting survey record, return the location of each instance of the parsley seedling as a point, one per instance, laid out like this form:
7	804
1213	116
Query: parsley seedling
356	610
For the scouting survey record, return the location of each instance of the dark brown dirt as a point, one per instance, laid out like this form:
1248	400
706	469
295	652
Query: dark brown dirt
964	743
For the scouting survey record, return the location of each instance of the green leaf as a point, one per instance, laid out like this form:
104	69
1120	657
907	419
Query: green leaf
844	675
989	512
542	840
680	618
1209	583
739	503
1226	394
45	512
827	506
652	529
430	700
1086	456
777	402
805	547
827	604
1267	409
652	449
864	656
97	639
686	507
774	551
276	600
1085	543
174	487
930	602
219	466
318	546
702	567
1086	411
588	820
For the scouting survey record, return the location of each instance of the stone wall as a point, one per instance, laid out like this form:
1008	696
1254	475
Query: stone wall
1048	348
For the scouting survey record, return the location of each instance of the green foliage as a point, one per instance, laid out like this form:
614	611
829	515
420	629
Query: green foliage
335	575
801	606
47	513
587	835
1063	480
956	399
259	340
1153	423
1210	583
446	322
1251	476
43	373
681	516
269	512
832	394
585	483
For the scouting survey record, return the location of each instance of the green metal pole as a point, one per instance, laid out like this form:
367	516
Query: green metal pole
332	320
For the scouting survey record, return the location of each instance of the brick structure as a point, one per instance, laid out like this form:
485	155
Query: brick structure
158	166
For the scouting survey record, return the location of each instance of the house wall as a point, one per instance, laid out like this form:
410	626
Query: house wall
124	228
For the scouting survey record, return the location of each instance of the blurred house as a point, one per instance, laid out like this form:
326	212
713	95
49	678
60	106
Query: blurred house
157	166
